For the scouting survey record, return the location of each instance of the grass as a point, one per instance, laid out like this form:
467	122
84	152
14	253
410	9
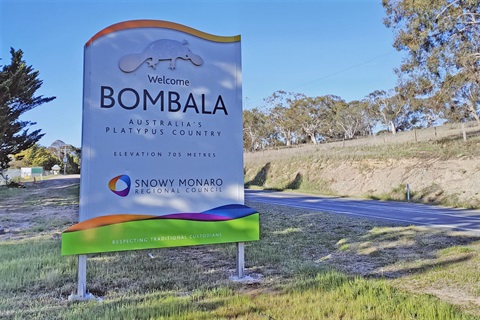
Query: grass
446	144
9	192
309	265
296	297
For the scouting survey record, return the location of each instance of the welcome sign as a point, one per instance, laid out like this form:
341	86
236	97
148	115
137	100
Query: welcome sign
162	153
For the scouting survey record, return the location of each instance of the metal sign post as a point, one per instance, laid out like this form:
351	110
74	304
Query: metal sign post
81	281
82	276
240	260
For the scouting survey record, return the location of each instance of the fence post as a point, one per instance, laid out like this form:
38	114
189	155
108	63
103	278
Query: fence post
408	192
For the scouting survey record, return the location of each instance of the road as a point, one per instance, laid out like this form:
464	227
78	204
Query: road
410	213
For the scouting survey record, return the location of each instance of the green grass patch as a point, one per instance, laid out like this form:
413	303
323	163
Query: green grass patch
135	286
6	192
310	265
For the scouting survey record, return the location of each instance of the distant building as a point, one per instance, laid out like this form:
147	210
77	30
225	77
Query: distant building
56	169
27	173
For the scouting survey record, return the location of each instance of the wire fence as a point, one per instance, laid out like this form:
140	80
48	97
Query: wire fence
450	131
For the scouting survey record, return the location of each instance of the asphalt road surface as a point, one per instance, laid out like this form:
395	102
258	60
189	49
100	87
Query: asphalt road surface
410	213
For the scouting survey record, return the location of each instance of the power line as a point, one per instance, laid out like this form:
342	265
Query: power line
340	71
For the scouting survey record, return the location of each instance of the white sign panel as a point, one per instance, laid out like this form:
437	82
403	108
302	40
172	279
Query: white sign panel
162	138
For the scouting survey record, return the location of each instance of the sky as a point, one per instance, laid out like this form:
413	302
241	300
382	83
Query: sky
316	48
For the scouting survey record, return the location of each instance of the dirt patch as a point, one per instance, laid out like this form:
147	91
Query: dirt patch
454	182
457	178
46	206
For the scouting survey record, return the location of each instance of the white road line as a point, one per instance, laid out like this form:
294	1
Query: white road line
400	208
370	216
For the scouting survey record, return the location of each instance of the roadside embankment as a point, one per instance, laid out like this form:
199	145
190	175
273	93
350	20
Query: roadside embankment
443	172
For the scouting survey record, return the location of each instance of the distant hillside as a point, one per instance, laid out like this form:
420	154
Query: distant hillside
437	164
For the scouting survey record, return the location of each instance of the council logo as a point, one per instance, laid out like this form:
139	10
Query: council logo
113	184
159	50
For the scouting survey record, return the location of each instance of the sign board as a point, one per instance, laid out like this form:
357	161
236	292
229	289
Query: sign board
31	172
37	171
162	147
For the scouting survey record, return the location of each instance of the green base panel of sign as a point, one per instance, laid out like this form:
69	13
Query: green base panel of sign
159	233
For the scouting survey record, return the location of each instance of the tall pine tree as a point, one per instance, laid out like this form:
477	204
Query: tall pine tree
18	84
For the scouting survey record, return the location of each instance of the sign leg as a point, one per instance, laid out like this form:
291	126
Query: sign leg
82	294
82	276
240	260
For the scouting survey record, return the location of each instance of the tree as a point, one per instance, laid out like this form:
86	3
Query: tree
314	115
18	84
464	101
442	39
394	109
284	121
254	125
36	156
63	151
73	161
384	107
351	118
57	148
284	117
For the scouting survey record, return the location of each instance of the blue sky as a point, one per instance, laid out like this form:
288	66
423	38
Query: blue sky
312	47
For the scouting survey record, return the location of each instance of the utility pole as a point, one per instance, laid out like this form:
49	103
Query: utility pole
65	160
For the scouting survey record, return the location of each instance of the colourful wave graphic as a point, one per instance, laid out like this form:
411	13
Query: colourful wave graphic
151	233
133	24
122	232
222	213
107	220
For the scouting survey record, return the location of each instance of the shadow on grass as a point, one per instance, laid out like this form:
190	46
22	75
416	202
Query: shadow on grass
296	183
432	194
261	177
361	246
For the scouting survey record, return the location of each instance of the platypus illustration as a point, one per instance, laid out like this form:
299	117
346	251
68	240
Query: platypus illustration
163	49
